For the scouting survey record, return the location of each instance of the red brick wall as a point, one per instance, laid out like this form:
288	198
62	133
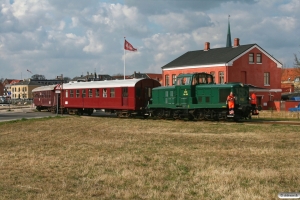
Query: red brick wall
243	71
194	70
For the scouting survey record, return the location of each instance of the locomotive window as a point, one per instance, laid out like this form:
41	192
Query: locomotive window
171	93
77	94
97	93
166	93
112	92
83	93
104	92
200	99
71	93
223	93
90	93
207	99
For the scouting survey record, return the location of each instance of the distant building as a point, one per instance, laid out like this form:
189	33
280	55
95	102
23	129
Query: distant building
154	76
92	77
290	83
6	86
23	89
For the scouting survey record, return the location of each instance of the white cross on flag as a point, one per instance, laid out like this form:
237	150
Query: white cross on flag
128	46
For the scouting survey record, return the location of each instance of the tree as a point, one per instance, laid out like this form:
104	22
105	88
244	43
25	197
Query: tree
297	64
38	77
67	79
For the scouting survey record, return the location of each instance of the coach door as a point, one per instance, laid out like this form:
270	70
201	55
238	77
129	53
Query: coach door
125	96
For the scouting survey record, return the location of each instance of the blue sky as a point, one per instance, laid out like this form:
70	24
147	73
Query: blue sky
53	37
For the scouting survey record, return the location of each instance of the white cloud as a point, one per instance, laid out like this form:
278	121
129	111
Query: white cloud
94	45
55	35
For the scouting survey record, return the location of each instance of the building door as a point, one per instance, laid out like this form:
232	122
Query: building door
125	96
258	99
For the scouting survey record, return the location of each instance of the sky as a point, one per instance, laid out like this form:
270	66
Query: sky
73	38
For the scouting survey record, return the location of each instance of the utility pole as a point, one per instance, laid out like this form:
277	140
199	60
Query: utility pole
61	77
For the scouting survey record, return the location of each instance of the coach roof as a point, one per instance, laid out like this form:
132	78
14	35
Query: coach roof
102	84
45	88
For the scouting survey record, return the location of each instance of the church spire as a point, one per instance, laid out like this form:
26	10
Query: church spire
228	43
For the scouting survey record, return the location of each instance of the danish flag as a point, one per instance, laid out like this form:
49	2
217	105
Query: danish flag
129	47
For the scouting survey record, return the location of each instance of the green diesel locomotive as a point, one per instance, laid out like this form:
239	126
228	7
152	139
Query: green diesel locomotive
196	96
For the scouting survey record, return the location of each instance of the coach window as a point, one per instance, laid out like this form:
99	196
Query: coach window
112	92
77	94
83	93
138	91
97	93
71	94
125	92
90	93
104	92
66	94
149	92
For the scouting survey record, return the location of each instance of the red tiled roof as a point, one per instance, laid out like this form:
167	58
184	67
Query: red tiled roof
291	73
15	81
154	76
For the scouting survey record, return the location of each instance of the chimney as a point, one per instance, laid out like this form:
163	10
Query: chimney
206	46
236	42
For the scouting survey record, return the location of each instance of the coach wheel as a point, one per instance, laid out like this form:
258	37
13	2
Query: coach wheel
90	112
79	112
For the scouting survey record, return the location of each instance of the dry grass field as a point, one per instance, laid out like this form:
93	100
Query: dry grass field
109	158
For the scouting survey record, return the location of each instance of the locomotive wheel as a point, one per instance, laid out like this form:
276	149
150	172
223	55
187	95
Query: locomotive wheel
159	114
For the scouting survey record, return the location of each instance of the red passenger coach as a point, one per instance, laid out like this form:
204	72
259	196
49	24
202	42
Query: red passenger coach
45	97
124	97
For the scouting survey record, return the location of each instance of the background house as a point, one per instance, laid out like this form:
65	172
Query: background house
248	64
23	89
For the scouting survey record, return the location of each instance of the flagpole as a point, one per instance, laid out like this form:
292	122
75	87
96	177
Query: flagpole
124	58
124	62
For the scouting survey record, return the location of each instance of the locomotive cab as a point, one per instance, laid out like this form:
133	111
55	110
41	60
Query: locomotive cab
186	87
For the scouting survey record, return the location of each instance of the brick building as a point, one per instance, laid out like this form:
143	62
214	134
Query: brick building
248	64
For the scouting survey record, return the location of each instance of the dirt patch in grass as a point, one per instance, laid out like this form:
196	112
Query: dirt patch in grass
108	158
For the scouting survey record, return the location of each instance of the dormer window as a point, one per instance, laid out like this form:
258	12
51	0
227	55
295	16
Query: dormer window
258	58
251	57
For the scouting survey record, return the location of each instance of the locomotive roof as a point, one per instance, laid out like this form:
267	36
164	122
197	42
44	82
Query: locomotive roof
44	88
101	84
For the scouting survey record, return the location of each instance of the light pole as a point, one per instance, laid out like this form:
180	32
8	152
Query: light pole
61	77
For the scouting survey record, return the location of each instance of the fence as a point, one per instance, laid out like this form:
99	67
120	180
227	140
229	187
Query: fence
277	114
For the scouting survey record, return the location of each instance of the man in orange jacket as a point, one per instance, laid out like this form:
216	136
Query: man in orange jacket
253	103
230	101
